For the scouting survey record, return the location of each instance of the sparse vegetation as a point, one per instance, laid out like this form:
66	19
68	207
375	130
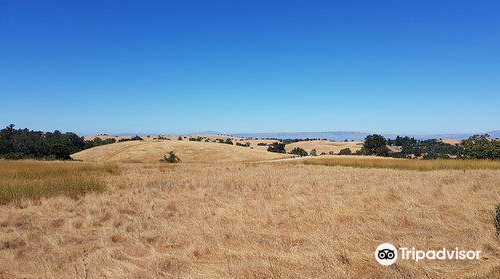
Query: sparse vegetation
196	138
496	219
247	144
131	139
345	151
276	147
298	151
313	152
98	142
171	159
33	180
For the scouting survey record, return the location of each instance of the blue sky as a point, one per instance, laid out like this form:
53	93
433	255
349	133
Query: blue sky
250	66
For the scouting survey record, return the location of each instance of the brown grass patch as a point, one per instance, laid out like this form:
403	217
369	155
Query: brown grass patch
34	179
404	164
256	221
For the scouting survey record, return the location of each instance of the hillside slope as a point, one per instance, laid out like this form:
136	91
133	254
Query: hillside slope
323	146
187	151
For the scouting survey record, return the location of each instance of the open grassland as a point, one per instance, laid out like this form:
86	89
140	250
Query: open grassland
34	179
324	146
253	220
403	164
188	151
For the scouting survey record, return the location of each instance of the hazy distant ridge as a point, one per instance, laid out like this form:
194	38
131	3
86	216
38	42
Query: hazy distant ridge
356	136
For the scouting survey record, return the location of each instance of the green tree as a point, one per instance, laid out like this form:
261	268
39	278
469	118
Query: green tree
481	147
375	145
299	151
277	147
345	151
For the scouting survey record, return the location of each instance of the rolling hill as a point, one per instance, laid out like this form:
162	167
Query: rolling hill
187	151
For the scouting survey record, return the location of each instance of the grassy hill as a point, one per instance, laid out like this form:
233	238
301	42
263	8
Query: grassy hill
188	152
324	146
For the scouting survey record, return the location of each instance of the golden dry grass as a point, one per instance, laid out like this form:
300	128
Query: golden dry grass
323	146
404	164
188	151
250	220
34	179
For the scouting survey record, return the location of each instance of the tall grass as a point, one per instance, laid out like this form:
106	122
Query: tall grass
406	164
34	179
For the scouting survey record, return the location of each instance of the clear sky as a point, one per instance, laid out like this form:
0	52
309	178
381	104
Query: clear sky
250	66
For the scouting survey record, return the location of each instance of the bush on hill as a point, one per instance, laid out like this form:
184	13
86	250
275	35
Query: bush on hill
299	151
345	151
171	159
276	147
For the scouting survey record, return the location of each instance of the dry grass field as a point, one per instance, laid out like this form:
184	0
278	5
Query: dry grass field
254	220
33	179
188	151
323	146
403	164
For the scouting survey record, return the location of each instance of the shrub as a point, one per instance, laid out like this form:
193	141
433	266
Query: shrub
345	151
171	159
179	138
247	144
276	147
196	139
298	151
313	153
331	153
131	139
261	144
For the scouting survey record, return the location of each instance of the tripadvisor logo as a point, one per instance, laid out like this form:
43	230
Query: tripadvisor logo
387	254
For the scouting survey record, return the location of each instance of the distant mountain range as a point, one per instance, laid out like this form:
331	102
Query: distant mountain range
355	136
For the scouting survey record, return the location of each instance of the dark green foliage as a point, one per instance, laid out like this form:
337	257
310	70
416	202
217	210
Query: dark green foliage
277	147
98	141
402	141
226	141
262	144
481	147
247	144
24	143
196	139
375	145
345	151
131	139
313	153
171	159
298	151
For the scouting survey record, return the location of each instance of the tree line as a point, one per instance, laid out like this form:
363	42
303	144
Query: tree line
25	143
475	147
